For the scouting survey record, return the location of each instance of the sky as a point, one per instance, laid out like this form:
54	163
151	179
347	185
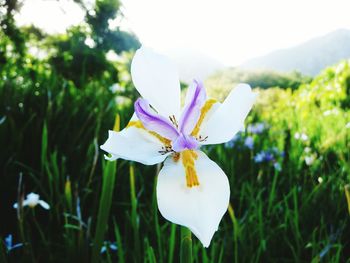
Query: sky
230	31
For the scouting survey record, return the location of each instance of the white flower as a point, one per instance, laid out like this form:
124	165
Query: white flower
304	137
192	190
307	149
297	135
301	136
309	160
116	87
32	201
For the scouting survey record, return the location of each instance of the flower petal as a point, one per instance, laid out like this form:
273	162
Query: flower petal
135	144
156	79
153	121
199	208
44	204
229	117
195	99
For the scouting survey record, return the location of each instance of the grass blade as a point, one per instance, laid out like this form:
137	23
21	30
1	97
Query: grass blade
186	245
108	183
134	216
172	243
119	243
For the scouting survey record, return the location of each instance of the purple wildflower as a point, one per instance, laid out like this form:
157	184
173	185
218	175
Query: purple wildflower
268	156
9	245
259	157
257	128
249	142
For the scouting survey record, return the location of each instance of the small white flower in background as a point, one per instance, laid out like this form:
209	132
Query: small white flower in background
330	112
116	87
297	136
307	149
112	56
192	190
304	137
347	125
301	136
320	180
108	245
32	201
309	160
90	42
327	112
122	101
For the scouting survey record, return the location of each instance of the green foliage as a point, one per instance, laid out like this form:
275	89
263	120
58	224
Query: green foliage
76	61
105	37
108	183
221	83
7	24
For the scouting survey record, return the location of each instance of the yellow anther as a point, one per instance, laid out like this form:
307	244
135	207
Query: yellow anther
176	157
188	158
138	124
207	106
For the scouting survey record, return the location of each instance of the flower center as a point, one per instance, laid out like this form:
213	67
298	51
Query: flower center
183	142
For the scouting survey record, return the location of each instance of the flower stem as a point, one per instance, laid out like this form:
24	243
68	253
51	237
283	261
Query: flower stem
186	245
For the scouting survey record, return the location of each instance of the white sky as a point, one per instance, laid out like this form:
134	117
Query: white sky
230	31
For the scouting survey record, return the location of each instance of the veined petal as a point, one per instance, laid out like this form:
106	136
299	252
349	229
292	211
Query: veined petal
229	117
195	99
184	142
156	79
136	144
153	121
200	208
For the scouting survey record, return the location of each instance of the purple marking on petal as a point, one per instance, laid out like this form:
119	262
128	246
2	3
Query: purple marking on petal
184	142
195	99
153	121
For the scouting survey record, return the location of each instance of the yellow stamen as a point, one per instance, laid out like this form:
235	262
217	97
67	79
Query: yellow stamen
138	124
188	157
207	106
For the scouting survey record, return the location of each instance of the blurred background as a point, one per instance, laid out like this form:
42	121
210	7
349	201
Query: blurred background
65	81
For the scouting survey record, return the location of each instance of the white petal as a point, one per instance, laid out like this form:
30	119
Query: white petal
15	205
199	208
156	79
229	117
44	204
32	197
134	144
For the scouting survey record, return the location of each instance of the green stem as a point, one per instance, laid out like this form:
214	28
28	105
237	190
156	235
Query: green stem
186	246
3	257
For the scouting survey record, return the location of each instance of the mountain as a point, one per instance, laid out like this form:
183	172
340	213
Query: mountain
308	58
193	64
